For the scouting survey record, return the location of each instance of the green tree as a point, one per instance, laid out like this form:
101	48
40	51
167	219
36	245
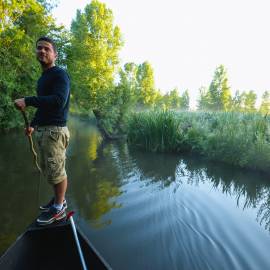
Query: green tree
128	79
265	104
220	94
249	101
93	57
184	104
146	84
174	99
159	102
125	93
204	101
21	23
238	102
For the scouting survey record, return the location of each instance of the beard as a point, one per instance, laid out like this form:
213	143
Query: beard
44	62
41	60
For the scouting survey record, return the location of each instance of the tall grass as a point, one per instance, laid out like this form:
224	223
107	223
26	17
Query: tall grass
235	138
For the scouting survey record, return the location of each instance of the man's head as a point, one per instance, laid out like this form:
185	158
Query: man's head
46	52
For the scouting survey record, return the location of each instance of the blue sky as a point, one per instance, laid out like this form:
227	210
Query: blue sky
185	40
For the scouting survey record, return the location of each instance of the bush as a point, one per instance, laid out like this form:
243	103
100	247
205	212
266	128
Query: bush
241	139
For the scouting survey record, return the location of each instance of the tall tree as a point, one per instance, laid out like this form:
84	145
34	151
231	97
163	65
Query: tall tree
219	90
93	56
184	105
146	84
265	104
125	91
204	101
128	77
249	101
174	99
238	102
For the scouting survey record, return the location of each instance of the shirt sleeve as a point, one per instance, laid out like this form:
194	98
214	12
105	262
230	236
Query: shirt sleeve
59	97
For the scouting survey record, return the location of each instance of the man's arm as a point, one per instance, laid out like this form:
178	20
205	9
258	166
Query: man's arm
57	100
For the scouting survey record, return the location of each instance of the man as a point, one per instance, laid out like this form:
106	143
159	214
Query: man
49	124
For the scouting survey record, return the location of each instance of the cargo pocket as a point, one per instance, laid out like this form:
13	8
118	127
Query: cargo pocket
56	166
52	166
54	135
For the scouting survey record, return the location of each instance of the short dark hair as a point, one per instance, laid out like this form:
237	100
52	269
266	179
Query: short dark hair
49	40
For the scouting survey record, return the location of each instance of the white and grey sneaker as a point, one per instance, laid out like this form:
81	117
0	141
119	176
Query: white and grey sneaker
45	208
53	214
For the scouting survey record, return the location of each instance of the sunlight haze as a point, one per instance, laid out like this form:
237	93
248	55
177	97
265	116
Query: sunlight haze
186	40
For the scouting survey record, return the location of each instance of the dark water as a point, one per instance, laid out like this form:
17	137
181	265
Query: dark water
143	210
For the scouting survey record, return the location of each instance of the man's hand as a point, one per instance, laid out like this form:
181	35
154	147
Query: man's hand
20	104
29	131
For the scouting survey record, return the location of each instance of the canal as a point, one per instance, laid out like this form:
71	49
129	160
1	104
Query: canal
144	210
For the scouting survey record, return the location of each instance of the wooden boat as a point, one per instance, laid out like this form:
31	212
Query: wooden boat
51	248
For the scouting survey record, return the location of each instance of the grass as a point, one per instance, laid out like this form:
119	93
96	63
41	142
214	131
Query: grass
240	139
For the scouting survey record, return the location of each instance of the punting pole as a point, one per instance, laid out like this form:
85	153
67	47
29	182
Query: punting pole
69	216
32	148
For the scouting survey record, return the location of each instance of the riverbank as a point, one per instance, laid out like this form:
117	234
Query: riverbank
239	139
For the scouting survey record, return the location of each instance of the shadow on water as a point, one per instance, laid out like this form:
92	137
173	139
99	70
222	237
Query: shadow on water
18	187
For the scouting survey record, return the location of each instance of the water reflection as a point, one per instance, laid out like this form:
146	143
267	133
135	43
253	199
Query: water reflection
109	166
93	175
173	204
250	189
18	187
144	197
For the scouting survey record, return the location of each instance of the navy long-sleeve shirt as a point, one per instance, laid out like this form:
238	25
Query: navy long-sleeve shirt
52	100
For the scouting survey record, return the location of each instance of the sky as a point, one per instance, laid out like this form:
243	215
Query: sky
186	40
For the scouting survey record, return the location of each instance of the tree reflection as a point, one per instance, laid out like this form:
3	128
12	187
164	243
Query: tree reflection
98	170
241	184
156	167
94	176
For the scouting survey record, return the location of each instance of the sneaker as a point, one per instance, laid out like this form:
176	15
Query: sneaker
45	208
50	216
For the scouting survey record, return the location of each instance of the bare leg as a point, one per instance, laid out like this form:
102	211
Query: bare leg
59	191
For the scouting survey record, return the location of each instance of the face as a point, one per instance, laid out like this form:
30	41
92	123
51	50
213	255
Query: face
45	53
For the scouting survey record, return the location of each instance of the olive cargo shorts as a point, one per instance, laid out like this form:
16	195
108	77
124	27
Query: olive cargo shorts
52	143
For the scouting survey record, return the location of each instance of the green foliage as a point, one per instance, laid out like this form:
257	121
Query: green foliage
146	85
218	96
173	100
184	101
240	139
92	62
249	101
155	131
90	53
238	102
265	104
204	98
21	23
93	56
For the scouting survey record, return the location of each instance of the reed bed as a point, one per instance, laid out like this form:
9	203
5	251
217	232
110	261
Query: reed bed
240	139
